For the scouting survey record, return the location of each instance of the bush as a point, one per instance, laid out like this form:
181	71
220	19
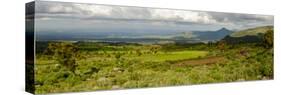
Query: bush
65	54
268	39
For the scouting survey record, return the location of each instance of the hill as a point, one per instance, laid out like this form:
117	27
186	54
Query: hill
212	35
252	31
252	35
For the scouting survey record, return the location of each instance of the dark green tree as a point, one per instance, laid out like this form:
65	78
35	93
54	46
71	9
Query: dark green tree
221	45
268	39
154	49
65	54
118	56
139	52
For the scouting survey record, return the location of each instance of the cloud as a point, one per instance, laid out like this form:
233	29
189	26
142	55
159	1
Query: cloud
119	14
88	12
245	20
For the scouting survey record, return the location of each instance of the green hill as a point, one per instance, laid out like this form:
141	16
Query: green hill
252	35
252	31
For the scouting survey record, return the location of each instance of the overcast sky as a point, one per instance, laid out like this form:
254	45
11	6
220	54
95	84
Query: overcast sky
63	17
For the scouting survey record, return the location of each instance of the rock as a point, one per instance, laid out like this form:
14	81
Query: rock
102	79
264	78
118	70
115	87
240	80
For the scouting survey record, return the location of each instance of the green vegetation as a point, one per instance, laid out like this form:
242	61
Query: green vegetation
172	56
252	32
253	35
268	39
85	66
65	54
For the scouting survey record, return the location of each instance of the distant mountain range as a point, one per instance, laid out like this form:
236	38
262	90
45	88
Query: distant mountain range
123	36
251	35
166	36
212	35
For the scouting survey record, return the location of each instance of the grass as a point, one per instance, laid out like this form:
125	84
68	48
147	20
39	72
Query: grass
101	70
173	56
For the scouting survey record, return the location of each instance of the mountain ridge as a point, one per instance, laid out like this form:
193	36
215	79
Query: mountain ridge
252	31
213	35
251	35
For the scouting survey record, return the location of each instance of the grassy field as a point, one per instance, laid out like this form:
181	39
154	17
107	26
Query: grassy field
105	66
171	56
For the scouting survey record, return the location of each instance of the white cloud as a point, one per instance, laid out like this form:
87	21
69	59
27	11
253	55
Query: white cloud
93	10
179	15
116	12
89	12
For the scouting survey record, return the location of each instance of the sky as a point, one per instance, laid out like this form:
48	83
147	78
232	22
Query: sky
65	17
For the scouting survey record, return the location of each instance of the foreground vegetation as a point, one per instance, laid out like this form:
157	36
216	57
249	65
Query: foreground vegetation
85	66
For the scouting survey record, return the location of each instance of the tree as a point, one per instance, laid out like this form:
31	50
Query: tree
138	51
154	49
65	54
118	56
221	45
268	39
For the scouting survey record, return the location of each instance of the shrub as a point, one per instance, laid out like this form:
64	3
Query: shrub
65	54
268	39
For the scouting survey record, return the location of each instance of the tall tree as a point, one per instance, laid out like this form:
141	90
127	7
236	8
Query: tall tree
268	39
221	45
65	54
